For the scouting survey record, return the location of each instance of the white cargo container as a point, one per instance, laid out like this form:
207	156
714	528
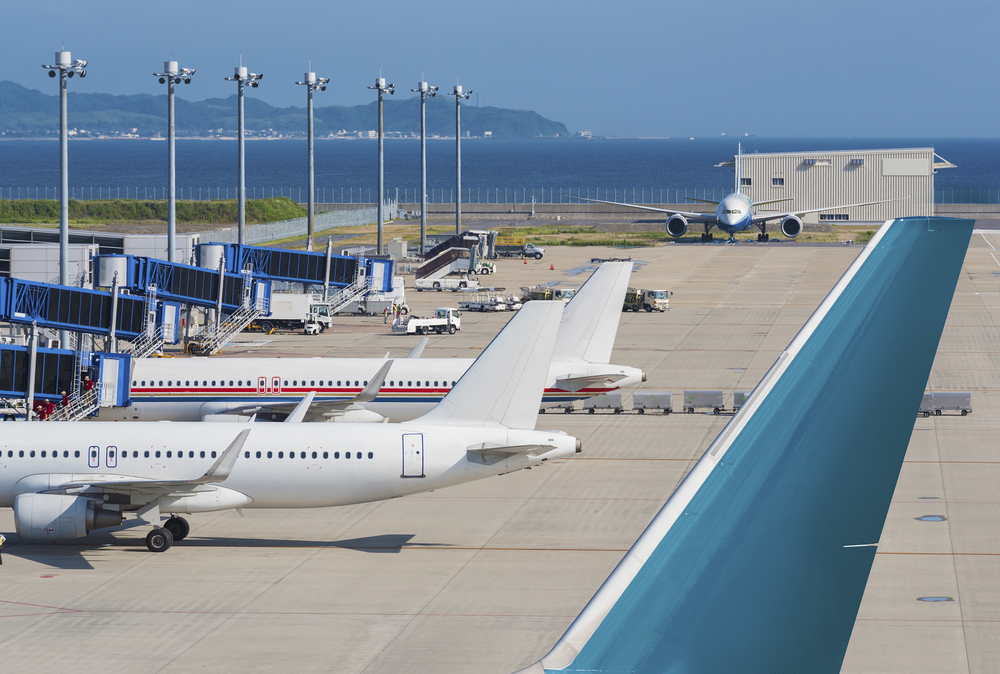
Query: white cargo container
652	400
937	402
739	398
606	401
703	399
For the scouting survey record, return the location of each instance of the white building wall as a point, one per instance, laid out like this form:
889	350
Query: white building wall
817	179
40	262
155	246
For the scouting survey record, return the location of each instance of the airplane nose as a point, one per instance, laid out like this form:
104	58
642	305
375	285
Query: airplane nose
644	375
579	445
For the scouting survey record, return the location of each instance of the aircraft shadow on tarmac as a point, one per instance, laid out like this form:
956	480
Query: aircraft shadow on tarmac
70	555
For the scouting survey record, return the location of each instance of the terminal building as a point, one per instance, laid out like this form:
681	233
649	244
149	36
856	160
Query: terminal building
817	179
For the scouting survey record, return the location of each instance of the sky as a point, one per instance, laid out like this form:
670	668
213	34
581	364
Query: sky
776	68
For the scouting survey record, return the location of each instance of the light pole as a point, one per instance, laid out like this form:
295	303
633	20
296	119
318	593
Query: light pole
172	75
312	83
425	93
381	87
457	93
67	67
242	77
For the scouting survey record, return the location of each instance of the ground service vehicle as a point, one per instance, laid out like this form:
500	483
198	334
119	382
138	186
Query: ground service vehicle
637	299
546	293
292	311
445	319
516	246
454	284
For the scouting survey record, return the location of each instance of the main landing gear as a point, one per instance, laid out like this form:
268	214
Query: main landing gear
161	538
763	237
706	237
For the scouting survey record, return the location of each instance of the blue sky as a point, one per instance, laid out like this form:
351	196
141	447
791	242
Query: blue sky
643	68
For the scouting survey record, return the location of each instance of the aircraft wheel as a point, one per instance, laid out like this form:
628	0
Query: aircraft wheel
178	528
451	329
159	540
767	237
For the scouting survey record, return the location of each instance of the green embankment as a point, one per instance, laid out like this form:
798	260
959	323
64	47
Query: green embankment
132	210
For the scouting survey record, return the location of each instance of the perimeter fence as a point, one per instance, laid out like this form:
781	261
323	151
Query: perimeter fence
442	195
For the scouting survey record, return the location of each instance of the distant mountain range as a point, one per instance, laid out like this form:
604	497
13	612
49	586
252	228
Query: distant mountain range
30	113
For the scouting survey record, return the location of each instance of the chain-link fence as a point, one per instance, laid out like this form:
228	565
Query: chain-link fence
287	229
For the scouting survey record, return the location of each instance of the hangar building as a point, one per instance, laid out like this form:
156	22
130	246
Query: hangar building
816	179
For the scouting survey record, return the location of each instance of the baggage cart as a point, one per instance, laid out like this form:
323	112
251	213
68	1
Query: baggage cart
937	402
652	400
605	401
740	397
701	399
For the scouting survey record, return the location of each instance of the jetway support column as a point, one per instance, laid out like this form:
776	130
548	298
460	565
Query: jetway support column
112	344
326	276
30	398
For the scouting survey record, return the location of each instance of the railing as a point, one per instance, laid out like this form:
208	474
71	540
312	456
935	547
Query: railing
365	196
148	344
80	406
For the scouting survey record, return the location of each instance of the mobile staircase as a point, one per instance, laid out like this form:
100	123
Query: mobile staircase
210	339
80	406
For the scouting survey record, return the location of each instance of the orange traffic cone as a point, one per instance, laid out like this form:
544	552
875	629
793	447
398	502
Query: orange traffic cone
525	260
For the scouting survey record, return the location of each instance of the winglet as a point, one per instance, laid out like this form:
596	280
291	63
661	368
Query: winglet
590	320
223	466
418	350
374	384
299	413
759	559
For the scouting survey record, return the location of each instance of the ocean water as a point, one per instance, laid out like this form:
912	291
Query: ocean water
492	170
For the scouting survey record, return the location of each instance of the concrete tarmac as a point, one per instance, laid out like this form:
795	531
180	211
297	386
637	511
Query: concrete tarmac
485	577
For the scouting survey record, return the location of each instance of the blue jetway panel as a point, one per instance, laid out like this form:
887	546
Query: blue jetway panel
65	308
55	372
296	266
177	282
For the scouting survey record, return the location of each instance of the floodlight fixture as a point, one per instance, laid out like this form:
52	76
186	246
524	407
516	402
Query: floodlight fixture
242	77
172	74
312	83
459	95
381	87
426	91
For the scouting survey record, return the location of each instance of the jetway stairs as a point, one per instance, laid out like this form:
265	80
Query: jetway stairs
361	286
210	339
80	406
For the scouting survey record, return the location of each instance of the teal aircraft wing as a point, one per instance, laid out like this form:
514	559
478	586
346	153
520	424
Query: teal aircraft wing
759	560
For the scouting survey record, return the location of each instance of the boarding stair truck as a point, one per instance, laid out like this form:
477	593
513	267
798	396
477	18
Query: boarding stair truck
652	400
293	311
637	299
937	402
612	400
703	399
546	293
445	319
449	283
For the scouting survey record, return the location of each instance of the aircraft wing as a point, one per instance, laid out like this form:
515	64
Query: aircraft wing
575	382
315	411
759	559
777	216
219	471
694	217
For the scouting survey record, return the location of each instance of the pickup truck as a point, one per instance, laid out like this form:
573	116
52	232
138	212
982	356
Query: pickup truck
518	250
445	319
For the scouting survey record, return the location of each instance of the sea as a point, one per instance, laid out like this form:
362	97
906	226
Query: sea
493	170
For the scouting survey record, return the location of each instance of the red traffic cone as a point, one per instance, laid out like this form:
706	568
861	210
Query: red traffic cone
525	260
552	267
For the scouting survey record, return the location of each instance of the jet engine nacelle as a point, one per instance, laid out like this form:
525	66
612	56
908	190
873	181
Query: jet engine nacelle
55	517
359	417
677	226
791	226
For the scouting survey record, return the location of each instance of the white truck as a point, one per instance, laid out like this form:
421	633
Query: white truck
454	284
292	311
374	304
445	319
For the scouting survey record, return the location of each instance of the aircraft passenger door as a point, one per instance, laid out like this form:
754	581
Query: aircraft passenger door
94	457
276	385
111	457
413	455
109	382
261	385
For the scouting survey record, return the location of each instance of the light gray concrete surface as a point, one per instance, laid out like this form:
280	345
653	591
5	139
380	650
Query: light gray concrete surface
486	576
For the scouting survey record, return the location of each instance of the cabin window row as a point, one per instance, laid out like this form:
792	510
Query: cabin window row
303	455
295	382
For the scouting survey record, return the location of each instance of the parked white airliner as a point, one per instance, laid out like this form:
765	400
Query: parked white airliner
734	213
65	479
191	389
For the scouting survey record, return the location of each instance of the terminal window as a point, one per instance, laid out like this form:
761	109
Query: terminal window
834	216
778	182
746	182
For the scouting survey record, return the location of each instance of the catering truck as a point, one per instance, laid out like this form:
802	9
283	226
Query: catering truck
292	311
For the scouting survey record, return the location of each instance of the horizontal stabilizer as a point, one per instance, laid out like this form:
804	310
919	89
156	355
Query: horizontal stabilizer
574	383
489	454
759	559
